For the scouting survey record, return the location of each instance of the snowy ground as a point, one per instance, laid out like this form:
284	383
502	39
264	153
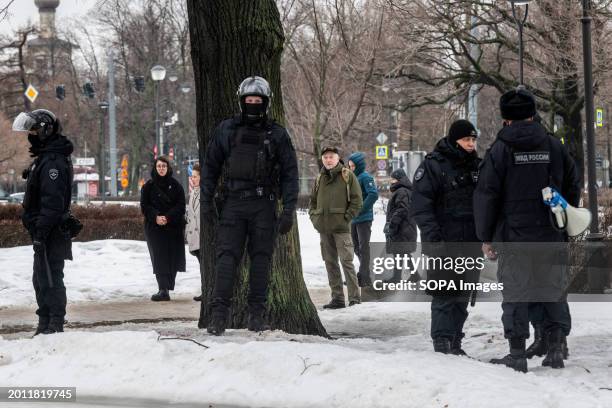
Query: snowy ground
386	362
381	356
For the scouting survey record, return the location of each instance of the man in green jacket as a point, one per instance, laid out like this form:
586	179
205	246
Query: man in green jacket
334	202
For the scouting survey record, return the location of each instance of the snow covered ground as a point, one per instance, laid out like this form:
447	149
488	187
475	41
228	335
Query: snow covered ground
381	356
386	361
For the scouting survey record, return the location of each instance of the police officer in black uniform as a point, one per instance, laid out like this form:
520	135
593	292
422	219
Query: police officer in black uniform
46	207
259	166
443	210
522	161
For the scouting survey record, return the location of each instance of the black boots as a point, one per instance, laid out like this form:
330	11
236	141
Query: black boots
539	347
335	304
456	347
219	320
516	359
56	325
218	323
43	324
161	296
442	345
257	322
198	298
554	357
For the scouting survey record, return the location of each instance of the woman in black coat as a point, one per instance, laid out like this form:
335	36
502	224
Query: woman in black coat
162	201
400	229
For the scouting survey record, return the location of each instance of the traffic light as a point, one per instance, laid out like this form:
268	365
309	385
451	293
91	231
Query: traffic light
139	83
89	90
60	92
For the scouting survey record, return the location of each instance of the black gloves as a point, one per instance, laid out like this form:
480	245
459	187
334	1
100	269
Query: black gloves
285	222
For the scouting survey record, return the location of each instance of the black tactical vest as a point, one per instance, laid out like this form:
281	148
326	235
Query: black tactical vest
252	158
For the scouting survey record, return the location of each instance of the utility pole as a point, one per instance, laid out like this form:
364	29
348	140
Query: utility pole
475	53
112	122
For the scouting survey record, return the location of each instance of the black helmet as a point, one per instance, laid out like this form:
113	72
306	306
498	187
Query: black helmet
254	86
42	121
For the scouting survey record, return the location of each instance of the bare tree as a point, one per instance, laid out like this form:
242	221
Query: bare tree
552	53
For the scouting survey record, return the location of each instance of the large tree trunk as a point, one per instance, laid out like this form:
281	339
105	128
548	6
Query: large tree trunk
230	40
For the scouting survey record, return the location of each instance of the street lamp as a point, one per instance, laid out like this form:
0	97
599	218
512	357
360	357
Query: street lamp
590	119
103	105
158	73
172	77
185	88
520	22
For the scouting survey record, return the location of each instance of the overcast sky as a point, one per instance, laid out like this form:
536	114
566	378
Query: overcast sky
23	10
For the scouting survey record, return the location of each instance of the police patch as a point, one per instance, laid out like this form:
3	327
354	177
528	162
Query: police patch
419	174
531	157
53	173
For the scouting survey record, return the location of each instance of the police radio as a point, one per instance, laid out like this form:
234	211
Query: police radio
566	217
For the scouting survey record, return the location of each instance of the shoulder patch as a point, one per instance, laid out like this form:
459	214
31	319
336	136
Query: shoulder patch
53	174
419	174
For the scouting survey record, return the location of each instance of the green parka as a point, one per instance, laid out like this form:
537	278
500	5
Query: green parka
335	200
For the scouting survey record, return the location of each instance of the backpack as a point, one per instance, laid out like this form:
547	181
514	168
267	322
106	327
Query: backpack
345	177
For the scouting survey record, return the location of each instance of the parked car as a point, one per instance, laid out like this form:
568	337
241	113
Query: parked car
16	197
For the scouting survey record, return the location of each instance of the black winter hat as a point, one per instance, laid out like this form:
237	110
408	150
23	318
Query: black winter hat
517	104
461	128
398	174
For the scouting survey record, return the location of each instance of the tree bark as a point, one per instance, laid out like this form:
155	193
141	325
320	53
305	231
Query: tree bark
230	40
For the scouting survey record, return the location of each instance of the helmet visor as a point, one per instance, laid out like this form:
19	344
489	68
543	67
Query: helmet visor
24	122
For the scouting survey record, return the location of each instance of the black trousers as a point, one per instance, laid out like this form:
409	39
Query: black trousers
448	315
251	222
51	299
551	316
165	280
360	234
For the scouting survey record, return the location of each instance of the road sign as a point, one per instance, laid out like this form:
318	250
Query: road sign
31	93
382	152
599	117
85	161
124	182
381	164
381	138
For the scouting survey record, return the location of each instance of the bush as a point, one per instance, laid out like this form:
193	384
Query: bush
110	221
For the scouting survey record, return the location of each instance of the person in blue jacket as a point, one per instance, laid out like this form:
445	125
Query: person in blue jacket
361	226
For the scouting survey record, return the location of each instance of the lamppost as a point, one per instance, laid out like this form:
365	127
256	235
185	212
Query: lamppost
520	22
590	119
158	73
103	105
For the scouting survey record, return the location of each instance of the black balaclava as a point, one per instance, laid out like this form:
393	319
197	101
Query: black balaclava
254	112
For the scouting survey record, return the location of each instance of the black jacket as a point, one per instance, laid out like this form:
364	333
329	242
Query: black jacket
220	148
401	226
49	187
522	161
164	196
442	205
442	200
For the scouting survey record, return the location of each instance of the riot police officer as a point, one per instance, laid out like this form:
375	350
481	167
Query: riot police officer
522	161
46	207
259	166
443	210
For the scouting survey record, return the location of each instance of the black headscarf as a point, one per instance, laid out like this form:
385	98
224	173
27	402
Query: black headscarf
157	179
